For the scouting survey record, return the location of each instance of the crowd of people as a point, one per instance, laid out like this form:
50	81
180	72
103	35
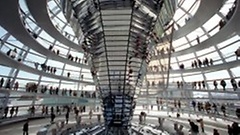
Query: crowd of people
8	84
203	84
44	89
13	112
212	108
56	51
46	68
13	53
32	87
222	22
204	63
75	59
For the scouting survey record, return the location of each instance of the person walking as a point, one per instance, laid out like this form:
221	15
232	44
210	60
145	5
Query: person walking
52	117
16	111
25	128
200	121
1	82
11	112
67	117
90	114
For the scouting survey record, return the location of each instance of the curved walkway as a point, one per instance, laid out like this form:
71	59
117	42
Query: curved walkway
36	125
206	10
218	67
39	11
5	60
229	30
202	15
90	100
13	24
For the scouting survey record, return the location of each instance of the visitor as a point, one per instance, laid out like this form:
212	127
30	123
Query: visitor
198	41
9	52
223	108
58	110
52	117
67	116
215	84
16	111
235	128
215	132
11	112
6	111
78	118
200	121
46	110
1	82
237	53
25	128
90	114
214	106
16	85
178	84
211	62
43	110
68	74
194	128
8	85
238	112
203	84
13	53
194	105
223	84
230	130
199	85
234	84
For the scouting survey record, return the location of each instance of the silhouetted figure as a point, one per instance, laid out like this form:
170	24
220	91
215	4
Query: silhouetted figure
203	84
13	53
8	85
25	128
67	117
178	84
194	105
16	111
46	110
198	41
238	112
215	84
199	85
9	52
6	111
11	112
215	132
235	128
194	127
1	82
230	130
68	74
199	63
223	108
200	121
211	62
16	85
52	117
223	84
214	106
234	84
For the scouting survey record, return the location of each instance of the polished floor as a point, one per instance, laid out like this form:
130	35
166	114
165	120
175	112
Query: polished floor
210	124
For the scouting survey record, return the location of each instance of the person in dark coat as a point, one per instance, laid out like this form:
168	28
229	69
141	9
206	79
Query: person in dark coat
67	117
25	128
